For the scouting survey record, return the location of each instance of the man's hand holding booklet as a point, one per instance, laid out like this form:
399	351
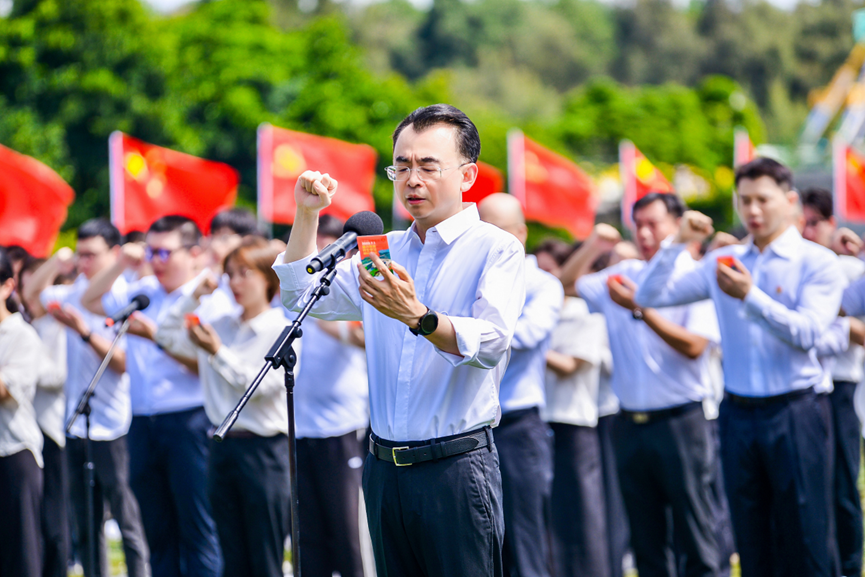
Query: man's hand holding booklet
374	244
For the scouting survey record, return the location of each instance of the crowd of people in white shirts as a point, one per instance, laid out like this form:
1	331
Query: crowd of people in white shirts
685	397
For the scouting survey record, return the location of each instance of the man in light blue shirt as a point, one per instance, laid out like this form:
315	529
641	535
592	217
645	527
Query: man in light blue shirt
775	296
522	437
168	445
438	328
665	450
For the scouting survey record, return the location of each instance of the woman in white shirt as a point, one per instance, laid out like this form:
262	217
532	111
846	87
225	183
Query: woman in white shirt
248	471
20	437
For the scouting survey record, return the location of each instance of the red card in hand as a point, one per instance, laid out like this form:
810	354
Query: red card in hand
192	320
616	277
728	261
54	306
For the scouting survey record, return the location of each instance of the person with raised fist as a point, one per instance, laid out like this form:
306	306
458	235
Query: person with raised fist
438	325
775	295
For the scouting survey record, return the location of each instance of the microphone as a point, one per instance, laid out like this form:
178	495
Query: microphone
364	223
139	302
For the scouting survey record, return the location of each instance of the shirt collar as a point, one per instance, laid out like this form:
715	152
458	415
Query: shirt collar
451	228
786	246
12	322
532	261
262	321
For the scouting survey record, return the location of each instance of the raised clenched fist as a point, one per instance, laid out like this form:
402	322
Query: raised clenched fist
694	227
314	191
605	237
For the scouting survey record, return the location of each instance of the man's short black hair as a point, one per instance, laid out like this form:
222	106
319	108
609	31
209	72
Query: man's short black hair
239	220
766	167
558	249
818	199
16	253
329	225
190	234
672	203
100	227
468	139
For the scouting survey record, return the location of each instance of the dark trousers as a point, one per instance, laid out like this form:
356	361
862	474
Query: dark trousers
578	514
438	518
20	515
848	506
525	450
111	472
722	522
618	531
778	470
55	500
168	473
665	468
329	473
248	488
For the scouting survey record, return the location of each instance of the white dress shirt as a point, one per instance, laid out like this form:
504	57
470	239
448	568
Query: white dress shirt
158	383
50	402
573	399
523	383
768	339
468	270
648	373
332	391
110	407
848	365
19	362
226	375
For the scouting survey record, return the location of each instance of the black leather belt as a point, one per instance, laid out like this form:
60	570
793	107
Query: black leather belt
645	417
433	450
766	401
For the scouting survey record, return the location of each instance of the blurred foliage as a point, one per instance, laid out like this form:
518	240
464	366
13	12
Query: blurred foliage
576	75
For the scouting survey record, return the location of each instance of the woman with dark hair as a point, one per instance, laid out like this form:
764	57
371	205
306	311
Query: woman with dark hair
247	472
20	437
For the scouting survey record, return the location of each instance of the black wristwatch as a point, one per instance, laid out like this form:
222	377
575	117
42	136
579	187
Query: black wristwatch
427	325
637	314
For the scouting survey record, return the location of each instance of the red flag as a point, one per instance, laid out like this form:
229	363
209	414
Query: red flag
744	150
284	154
849	177
149	182
489	181
639	178
552	189
33	203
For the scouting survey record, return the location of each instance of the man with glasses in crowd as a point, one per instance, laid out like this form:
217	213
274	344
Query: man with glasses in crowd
168	443
87	344
438	321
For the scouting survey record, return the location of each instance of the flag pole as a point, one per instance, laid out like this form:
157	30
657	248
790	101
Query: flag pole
264	190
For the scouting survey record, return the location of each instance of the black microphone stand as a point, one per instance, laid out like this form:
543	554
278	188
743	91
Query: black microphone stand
282	354
83	408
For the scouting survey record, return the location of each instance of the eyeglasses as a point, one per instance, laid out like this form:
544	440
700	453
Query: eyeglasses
163	253
424	173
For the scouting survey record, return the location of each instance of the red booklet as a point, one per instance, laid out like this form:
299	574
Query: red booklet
368	245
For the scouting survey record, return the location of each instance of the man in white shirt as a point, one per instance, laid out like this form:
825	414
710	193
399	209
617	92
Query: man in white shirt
438	329
578	349
87	342
847	373
168	445
664	448
522	437
332	406
775	296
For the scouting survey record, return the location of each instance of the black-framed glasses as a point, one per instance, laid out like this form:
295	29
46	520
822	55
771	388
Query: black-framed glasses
163	253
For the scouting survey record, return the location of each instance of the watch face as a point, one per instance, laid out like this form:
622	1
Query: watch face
429	323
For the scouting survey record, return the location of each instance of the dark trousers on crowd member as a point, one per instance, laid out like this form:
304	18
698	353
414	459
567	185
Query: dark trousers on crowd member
848	506
168	472
438	518
665	462
618	531
579	520
55	521
248	488
329	473
778	467
525	450
111	473
20	515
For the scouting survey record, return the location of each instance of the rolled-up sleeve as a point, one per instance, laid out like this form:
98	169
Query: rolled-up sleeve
485	338
343	303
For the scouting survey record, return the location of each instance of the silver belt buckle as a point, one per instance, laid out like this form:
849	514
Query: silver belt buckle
641	418
396	450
